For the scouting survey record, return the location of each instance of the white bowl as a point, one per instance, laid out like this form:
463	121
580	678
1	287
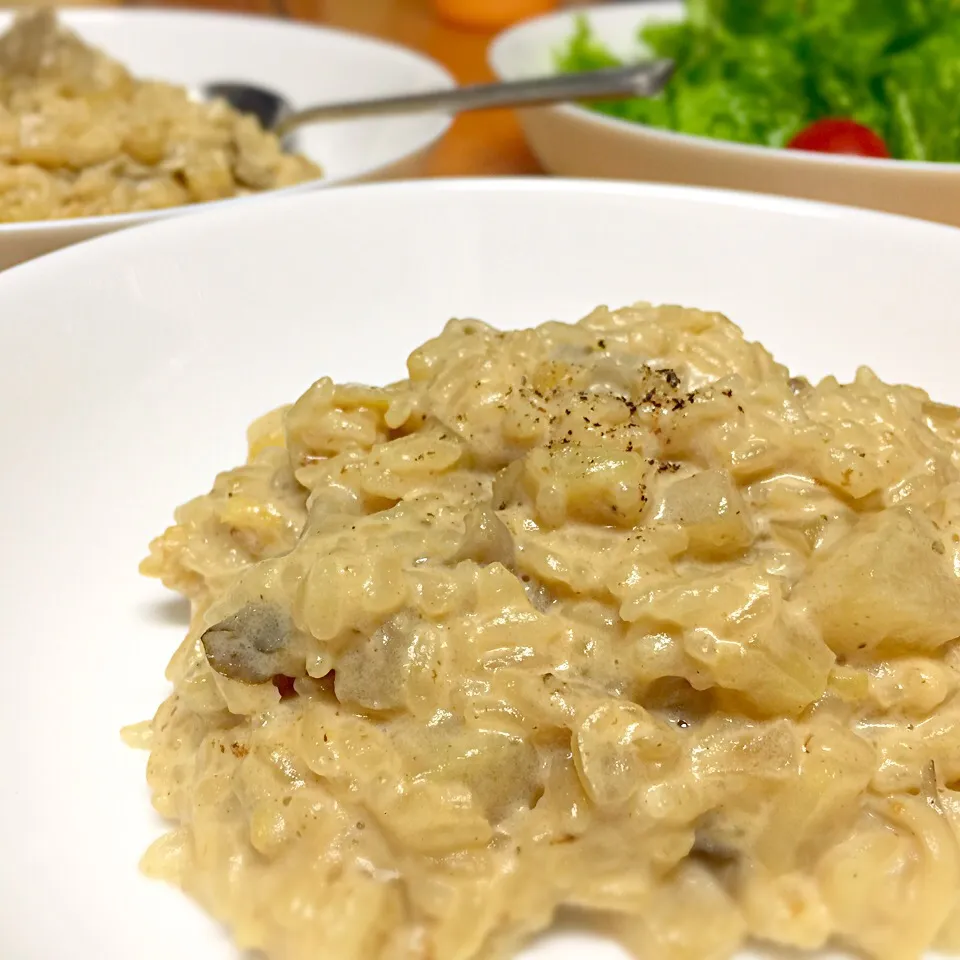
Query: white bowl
307	64
574	141
130	367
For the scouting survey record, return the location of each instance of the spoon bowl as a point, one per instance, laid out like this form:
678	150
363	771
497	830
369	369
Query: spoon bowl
268	106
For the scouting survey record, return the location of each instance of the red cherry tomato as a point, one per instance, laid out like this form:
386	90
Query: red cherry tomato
840	136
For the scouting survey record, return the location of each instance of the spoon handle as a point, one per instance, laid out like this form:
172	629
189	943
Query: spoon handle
639	80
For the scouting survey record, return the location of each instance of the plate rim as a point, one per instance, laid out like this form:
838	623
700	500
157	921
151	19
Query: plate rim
99	248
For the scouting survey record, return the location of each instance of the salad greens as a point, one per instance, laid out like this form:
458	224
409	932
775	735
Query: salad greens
760	71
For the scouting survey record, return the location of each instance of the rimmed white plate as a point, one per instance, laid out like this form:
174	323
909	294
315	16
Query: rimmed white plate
571	140
130	367
306	63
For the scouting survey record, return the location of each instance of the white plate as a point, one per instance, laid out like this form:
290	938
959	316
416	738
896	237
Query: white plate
131	366
573	141
305	63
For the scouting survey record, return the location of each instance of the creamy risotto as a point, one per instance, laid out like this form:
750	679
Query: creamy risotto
79	136
615	616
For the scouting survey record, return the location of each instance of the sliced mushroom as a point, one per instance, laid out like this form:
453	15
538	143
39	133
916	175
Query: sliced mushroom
372	673
251	645
28	44
486	539
715	841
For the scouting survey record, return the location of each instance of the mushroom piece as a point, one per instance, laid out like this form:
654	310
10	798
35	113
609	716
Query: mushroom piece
486	539
251	645
30	42
715	841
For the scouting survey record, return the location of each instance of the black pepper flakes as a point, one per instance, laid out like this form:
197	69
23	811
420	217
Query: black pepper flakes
670	376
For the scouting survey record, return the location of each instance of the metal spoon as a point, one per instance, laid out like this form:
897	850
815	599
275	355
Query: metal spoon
274	112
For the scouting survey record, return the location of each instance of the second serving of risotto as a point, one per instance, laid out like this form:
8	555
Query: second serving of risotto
616	616
81	137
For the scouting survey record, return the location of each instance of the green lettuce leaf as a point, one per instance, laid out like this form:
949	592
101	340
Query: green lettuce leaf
923	89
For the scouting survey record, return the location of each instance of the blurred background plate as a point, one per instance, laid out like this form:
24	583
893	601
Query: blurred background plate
574	141
131	366
308	64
